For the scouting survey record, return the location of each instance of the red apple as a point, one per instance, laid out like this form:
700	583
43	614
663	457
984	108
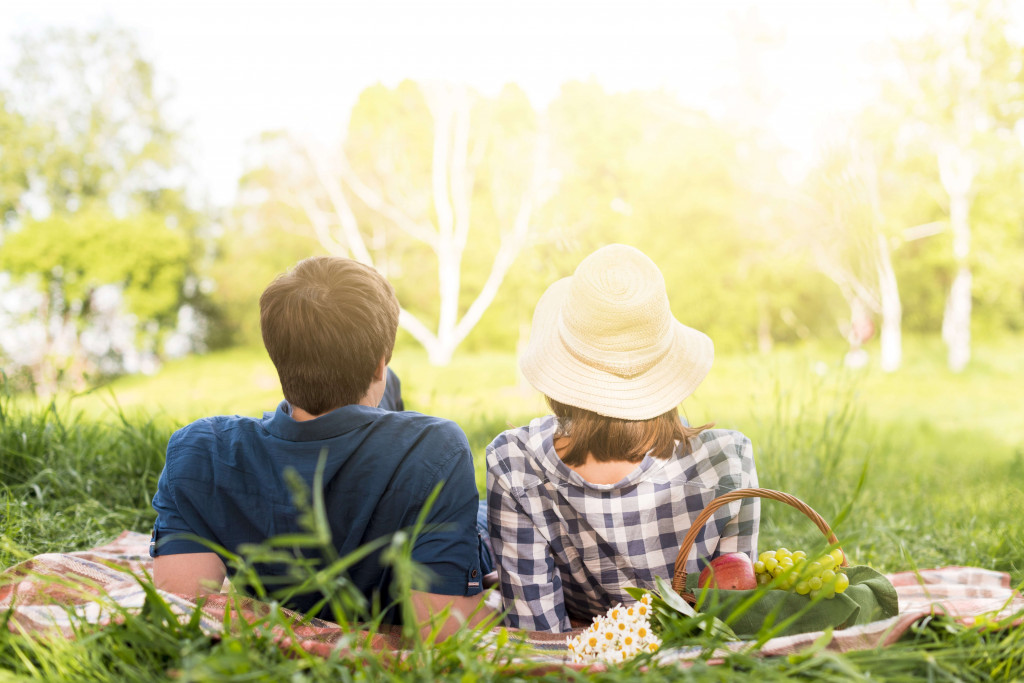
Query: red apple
732	571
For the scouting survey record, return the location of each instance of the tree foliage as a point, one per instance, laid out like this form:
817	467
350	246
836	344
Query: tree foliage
94	214
15	142
959	96
82	265
104	132
641	168
78	253
473	204
435	185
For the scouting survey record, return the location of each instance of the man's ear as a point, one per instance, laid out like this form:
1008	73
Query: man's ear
382	370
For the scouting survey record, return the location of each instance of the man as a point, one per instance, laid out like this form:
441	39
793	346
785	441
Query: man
329	326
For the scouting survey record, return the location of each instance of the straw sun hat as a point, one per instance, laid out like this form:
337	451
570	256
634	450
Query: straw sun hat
605	340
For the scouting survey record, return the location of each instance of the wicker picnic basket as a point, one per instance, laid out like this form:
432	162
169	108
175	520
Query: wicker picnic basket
679	577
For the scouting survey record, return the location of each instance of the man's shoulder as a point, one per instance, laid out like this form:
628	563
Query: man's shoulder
212	427
425	432
415	451
410	419
197	447
416	431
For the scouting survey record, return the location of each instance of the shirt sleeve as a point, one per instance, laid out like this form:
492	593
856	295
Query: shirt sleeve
531	586
741	518
449	546
171	527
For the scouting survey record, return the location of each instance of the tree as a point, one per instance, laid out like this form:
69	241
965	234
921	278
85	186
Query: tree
15	142
643	169
96	228
961	94
852	246
102	131
428	174
83	265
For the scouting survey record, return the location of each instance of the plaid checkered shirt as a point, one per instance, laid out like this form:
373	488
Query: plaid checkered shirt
565	548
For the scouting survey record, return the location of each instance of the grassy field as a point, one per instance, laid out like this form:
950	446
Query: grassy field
923	392
942	457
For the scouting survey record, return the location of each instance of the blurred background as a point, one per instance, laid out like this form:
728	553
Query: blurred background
834	184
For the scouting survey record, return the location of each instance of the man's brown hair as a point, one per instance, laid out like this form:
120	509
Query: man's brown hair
612	438
326	324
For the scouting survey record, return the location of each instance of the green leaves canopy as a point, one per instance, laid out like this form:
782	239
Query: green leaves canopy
78	253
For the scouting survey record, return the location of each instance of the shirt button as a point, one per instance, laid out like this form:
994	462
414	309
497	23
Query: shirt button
473	573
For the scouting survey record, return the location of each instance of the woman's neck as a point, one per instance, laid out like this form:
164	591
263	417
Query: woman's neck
596	471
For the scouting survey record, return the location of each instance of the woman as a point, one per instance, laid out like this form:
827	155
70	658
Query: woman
599	495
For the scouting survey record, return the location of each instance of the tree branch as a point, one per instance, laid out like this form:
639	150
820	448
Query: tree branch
511	244
347	219
321	226
847	282
440	108
449	258
375	201
411	324
461	184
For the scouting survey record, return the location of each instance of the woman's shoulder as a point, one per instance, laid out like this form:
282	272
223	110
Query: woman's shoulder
720	458
516	453
520	441
726	441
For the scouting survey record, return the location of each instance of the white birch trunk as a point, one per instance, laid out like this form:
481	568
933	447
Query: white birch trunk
957	171
870	285
891	336
956	321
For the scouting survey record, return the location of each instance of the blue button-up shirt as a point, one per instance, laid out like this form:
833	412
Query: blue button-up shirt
225	481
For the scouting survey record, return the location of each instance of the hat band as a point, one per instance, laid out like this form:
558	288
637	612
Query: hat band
626	369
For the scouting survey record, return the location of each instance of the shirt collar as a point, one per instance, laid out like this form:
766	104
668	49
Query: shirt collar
281	424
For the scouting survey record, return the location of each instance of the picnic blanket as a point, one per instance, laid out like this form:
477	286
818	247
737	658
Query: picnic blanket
56	592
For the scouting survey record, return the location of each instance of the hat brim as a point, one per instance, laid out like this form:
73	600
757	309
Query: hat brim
549	365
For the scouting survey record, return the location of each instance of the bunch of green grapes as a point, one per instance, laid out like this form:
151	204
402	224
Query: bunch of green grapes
824	576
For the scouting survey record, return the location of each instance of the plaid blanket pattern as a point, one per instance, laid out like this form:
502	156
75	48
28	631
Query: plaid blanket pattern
56	591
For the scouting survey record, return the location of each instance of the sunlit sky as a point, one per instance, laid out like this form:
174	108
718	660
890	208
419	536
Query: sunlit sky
238	68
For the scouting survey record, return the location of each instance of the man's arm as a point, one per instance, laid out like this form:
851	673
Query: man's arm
449	544
462	611
190	574
181	563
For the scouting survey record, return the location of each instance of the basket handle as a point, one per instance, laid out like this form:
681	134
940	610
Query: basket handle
679	577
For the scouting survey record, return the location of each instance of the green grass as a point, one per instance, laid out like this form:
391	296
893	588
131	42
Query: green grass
941	454
69	481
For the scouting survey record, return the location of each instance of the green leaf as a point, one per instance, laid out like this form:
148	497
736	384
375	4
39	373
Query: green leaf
673	599
636	592
714	626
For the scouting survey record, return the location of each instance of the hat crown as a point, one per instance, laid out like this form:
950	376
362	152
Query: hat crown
616	316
